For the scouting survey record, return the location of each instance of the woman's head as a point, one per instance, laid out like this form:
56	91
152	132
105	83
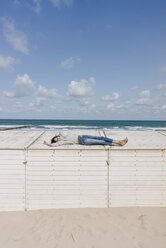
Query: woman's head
55	139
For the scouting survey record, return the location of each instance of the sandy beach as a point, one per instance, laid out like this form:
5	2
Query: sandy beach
91	228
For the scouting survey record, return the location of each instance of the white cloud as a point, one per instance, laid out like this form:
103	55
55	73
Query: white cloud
92	80
42	96
159	108
69	63
42	92
19	104
66	109
16	2
59	3
80	89
163	69
111	106
84	102
23	87
87	109
134	88
7	62
16	38
36	6
56	3
161	86
143	101
163	107
123	105
144	93
37	104
111	97
8	94
144	98
127	102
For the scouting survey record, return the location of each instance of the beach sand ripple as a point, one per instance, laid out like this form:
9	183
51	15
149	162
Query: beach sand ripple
80	228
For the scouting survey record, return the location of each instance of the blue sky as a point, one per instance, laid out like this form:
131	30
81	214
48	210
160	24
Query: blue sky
83	59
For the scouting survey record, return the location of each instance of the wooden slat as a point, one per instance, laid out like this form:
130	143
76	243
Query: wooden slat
81	177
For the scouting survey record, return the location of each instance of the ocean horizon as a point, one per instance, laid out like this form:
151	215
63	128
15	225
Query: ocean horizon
50	124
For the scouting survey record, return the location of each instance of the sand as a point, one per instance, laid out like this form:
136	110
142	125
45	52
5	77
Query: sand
80	228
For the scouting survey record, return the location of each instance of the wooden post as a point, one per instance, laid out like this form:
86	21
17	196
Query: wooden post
108	179
25	178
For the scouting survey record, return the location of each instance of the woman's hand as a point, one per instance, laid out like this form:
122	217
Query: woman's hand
45	143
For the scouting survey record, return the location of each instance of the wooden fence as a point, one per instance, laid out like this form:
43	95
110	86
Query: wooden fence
80	178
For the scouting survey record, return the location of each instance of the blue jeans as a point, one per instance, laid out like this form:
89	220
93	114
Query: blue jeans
96	140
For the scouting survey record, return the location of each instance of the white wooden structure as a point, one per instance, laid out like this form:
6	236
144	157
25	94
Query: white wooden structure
34	176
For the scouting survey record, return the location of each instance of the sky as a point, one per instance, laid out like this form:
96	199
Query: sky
83	59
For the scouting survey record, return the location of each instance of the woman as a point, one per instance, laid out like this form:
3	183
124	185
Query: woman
70	139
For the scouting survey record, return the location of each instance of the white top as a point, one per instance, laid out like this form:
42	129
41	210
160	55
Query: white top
66	139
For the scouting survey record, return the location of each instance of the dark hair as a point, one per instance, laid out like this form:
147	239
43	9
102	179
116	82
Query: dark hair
52	140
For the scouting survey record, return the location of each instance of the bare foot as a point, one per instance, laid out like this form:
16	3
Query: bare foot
123	142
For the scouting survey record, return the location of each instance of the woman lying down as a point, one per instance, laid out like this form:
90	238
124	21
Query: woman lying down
71	139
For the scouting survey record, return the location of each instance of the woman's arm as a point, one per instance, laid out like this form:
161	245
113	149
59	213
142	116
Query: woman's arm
46	143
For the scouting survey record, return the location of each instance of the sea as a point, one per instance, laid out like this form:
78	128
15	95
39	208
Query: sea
36	124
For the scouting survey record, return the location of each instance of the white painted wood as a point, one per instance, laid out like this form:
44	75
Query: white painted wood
71	173
138	179
12	193
17	139
143	140
33	176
